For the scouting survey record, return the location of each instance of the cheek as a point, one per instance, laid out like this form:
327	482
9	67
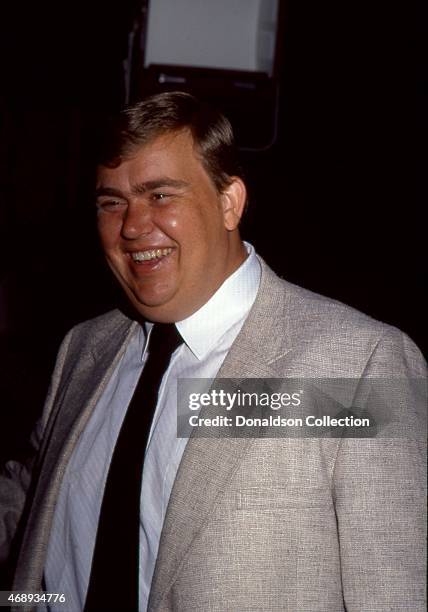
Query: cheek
109	229
191	229
169	219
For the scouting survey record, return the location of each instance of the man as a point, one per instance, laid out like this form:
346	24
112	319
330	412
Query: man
294	524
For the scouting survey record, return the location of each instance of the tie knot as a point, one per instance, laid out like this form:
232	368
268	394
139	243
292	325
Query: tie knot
165	338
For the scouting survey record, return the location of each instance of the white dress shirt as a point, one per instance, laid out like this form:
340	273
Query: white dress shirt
208	335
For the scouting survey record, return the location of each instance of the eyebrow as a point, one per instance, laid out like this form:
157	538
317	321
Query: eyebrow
141	188
156	184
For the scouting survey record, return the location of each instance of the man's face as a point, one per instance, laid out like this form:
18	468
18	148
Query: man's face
169	237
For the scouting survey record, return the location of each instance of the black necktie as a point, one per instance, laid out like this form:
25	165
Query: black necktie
114	579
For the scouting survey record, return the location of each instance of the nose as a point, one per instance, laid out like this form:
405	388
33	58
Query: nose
137	221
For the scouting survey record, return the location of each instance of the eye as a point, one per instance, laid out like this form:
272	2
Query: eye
158	196
110	205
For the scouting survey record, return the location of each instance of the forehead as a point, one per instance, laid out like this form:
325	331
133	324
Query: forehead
173	153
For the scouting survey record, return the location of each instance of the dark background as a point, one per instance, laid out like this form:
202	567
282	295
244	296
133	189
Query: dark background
336	205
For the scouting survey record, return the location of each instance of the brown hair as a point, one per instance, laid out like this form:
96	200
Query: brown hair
173	111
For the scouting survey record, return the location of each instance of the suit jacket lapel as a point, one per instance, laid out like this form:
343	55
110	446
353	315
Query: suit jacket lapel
208	464
82	389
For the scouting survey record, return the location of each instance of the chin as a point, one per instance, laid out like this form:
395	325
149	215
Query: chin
153	309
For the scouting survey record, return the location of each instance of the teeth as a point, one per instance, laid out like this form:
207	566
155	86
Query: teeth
147	255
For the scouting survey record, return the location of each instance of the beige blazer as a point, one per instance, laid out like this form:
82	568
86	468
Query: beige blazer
295	525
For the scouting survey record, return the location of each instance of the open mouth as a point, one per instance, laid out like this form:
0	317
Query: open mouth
150	255
150	258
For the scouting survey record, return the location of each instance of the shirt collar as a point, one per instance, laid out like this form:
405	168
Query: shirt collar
228	306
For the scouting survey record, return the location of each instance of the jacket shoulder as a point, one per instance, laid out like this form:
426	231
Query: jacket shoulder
343	336
91	331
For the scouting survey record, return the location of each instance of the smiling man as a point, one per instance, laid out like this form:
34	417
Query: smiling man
170	237
121	513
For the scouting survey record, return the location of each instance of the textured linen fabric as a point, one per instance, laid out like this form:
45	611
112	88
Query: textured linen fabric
294	525
208	335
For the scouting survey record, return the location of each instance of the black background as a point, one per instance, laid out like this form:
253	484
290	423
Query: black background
336	205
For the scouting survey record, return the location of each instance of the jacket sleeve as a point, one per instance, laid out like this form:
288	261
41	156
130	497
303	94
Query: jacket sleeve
380	490
15	476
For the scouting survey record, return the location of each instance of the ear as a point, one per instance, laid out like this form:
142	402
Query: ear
233	200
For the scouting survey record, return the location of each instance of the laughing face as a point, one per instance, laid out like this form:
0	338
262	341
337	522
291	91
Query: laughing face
168	235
